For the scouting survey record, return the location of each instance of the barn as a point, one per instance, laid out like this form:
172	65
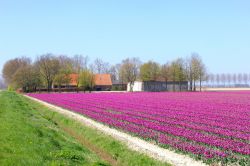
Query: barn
157	86
102	82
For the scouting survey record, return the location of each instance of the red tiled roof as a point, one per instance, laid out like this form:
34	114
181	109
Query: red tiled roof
73	79
100	79
103	79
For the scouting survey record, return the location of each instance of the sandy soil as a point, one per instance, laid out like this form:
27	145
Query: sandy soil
133	143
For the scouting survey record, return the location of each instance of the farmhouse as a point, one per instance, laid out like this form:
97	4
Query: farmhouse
102	82
158	86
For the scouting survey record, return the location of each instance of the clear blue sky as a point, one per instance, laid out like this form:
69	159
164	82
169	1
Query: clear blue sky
219	30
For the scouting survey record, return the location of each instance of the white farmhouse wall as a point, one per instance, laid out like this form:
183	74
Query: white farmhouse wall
138	86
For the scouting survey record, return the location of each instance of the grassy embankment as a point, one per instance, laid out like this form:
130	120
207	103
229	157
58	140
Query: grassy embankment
32	134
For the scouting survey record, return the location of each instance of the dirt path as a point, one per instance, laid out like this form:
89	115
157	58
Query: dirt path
133	143
105	156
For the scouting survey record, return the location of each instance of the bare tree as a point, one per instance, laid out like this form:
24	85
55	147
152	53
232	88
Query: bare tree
11	67
114	72
245	78
130	70
197	71
240	78
189	72
66	63
202	73
212	79
223	79
49	67
218	79
229	78
121	76
234	79
80	63
100	66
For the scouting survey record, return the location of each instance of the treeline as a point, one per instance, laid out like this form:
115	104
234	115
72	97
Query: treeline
228	80
50	69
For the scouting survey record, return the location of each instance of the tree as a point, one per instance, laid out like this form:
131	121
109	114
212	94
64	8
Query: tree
114	72
49	67
80	63
212	78
223	79
202	71
180	77
229	78
177	73
245	78
65	69
188	69
130	70
218	79
150	71
166	73
195	70
86	80
11	67
234	79
27	78
239	77
121	76
62	78
100	66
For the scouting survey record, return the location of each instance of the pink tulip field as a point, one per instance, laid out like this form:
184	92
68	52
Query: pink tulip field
212	126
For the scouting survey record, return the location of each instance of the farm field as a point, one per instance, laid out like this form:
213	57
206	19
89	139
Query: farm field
211	126
32	134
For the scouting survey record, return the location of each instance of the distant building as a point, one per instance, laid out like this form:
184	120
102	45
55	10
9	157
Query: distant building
158	86
118	85
102	82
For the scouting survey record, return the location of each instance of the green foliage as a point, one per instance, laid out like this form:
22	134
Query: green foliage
10	88
27	78
150	71
65	69
86	79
